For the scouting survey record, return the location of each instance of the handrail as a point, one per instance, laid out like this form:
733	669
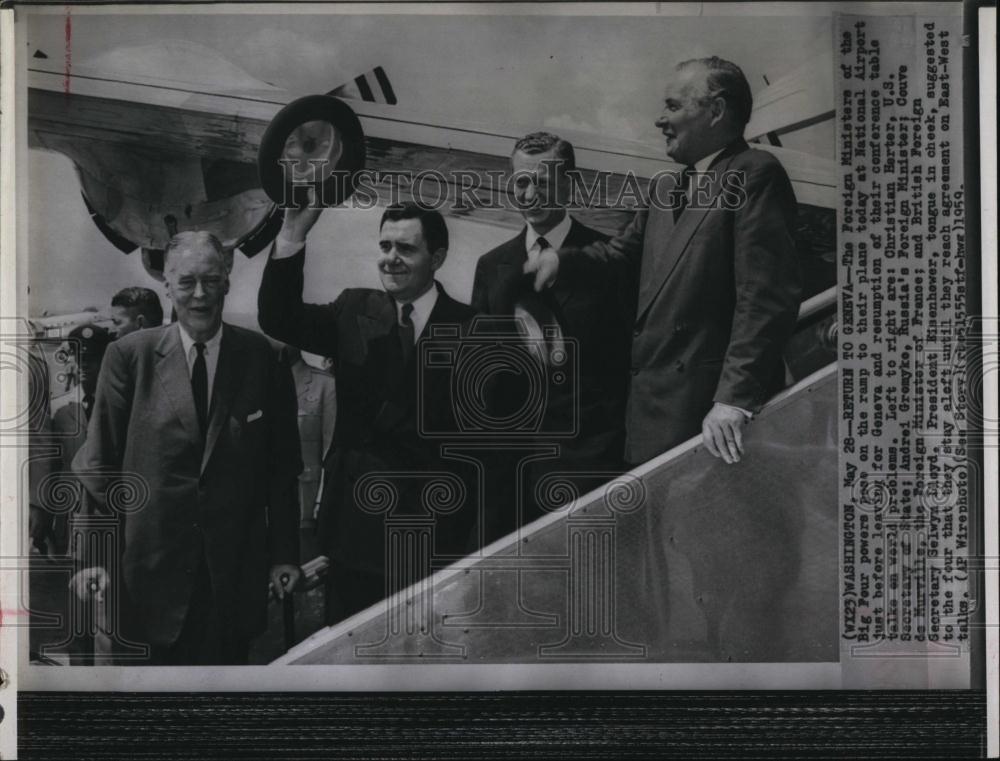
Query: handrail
313	572
461	566
812	309
817	307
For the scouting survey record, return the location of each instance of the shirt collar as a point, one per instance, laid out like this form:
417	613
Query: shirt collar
702	164
554	237
211	345
422	307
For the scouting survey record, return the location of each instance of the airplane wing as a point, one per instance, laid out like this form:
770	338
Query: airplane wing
796	100
155	156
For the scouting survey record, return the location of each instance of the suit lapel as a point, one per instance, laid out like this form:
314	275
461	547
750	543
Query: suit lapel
401	397
510	270
228	371
444	311
564	287
378	317
175	380
511	284
665	258
377	325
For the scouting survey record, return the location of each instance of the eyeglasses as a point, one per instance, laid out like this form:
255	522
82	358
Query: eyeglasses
208	284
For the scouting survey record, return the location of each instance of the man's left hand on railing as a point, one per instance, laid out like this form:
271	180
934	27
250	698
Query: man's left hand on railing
722	431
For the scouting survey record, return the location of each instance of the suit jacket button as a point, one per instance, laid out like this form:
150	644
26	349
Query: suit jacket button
635	371
637	332
679	366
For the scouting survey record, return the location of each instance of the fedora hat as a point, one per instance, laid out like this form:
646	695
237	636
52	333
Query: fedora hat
315	141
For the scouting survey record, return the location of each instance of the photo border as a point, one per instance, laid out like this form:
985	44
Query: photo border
378	724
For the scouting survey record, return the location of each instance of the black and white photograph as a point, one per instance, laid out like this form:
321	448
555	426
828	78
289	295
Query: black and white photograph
497	347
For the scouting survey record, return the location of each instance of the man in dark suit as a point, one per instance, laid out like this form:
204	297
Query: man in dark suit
204	415
371	335
716	263
591	311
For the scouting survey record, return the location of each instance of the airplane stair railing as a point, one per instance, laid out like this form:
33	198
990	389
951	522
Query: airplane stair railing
683	559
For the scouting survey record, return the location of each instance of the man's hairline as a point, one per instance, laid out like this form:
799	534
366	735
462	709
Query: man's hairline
167	259
737	129
556	159
423	235
133	310
703	86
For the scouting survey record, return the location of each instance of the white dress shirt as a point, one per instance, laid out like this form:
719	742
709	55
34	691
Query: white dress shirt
422	309
211	355
554	237
283	247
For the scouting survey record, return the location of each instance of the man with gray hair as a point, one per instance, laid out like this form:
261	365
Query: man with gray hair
205	416
716	262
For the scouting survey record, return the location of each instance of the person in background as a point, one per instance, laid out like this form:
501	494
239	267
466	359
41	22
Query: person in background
40	464
86	344
317	395
135	308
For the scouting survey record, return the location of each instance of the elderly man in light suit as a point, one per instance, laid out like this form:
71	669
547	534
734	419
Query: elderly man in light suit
205	415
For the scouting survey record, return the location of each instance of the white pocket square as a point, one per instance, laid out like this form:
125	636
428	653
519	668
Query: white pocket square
255	416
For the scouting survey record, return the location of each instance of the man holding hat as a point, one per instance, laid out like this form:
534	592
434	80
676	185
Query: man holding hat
372	336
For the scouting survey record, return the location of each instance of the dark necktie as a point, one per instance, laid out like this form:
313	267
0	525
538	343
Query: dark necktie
406	336
542	245
199	386
683	189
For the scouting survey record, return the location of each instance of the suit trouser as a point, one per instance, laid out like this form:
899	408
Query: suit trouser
205	639
349	590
